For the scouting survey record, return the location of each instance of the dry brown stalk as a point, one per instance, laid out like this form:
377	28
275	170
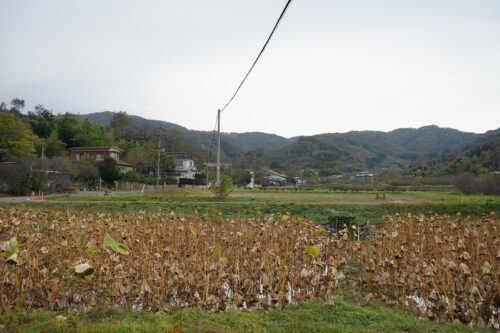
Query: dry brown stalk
443	280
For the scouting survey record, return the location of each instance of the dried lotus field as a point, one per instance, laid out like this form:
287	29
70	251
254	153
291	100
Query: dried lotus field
163	261
238	274
438	268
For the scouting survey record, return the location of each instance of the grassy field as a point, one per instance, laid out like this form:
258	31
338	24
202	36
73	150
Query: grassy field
315	205
239	195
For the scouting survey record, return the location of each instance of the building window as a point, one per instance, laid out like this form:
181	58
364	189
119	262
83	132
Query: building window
78	157
114	155
99	156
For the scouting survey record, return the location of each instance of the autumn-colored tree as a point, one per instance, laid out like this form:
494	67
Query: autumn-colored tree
16	139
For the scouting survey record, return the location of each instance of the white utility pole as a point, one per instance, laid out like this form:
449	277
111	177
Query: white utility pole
217	184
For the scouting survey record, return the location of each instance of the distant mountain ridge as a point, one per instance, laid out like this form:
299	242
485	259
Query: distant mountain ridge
480	157
349	151
232	144
372	149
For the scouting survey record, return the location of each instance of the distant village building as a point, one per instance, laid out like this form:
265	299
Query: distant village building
273	178
98	154
184	165
365	175
299	181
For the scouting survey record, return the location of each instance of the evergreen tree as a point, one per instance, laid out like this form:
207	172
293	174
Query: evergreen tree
108	170
42	121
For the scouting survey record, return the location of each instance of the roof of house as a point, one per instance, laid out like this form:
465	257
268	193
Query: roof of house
276	177
364	174
274	173
95	149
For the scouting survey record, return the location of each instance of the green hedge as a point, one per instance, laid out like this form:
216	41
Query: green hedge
197	181
133	177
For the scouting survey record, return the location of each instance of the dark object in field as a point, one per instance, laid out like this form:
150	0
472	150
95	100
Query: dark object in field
380	196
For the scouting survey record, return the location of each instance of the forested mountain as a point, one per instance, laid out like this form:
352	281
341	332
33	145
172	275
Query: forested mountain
332	152
232	144
256	140
479	157
351	151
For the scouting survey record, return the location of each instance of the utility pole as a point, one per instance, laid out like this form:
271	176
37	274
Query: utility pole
217	184
158	168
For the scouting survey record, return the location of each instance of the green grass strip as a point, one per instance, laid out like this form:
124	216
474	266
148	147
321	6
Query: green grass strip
313	316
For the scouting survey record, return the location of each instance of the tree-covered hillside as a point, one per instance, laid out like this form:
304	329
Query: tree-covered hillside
332	152
477	158
327	154
359	150
232	145
256	140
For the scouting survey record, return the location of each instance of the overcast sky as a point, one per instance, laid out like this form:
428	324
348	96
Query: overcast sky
332	66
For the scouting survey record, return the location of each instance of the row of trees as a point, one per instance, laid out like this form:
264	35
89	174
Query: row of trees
42	131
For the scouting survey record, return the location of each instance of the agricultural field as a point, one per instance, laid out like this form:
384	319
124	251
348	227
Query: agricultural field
183	262
315	205
440	268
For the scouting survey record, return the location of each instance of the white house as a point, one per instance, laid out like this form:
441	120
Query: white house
184	165
365	174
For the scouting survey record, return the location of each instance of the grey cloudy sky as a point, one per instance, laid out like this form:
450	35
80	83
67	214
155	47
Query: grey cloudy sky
332	66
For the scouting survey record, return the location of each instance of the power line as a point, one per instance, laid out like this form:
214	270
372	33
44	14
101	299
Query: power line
217	184
210	151
260	53
213	139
